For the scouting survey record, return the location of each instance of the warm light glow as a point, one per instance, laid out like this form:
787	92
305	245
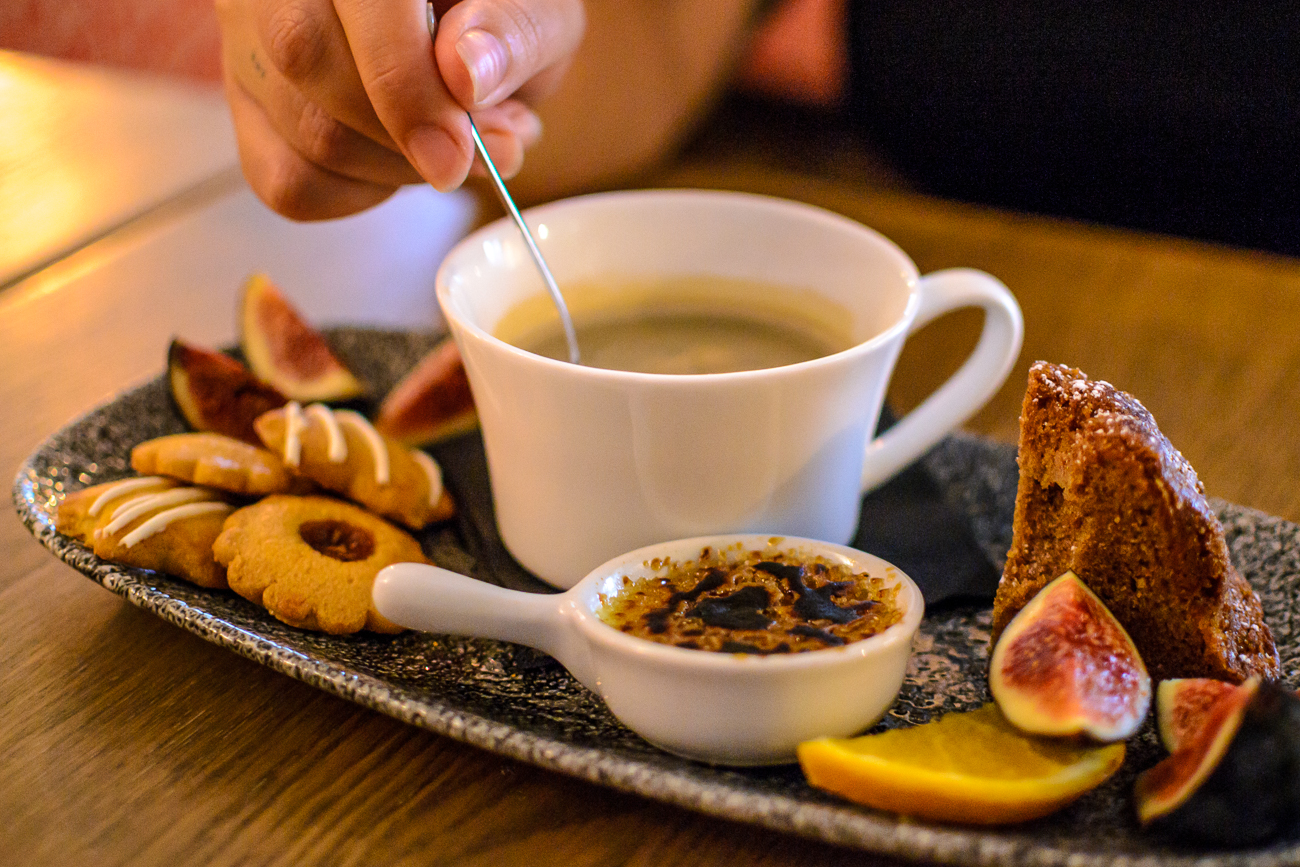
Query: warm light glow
41	194
84	150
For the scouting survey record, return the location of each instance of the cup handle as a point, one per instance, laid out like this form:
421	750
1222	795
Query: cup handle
970	387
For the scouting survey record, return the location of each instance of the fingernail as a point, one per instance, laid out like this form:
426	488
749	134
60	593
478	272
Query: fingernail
485	58
437	157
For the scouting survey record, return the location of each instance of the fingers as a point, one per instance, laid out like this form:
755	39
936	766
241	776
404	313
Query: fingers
287	182
338	102
394	56
306	44
490	49
314	96
310	129
299	159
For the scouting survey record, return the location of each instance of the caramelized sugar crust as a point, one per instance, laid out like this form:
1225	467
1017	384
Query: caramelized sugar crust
1104	493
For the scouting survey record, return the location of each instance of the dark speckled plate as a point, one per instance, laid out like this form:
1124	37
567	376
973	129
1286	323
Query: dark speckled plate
519	703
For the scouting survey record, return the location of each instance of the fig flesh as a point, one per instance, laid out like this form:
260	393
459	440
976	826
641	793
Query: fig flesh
1236	779
285	351
1182	704
432	402
216	393
1065	666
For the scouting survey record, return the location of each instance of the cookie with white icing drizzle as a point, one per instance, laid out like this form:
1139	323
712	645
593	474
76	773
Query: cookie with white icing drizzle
151	523
342	452
80	512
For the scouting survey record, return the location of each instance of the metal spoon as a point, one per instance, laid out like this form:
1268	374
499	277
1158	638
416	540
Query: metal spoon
570	336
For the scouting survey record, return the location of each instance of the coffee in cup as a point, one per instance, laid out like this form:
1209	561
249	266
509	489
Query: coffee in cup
696	324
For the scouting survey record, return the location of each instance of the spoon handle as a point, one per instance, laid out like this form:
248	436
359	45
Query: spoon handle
552	288
433	599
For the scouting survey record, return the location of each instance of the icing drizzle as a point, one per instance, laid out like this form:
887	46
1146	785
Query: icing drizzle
142	504
160	521
295	421
432	471
378	448
293	425
126	486
337	450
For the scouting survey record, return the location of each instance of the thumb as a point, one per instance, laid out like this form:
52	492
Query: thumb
487	50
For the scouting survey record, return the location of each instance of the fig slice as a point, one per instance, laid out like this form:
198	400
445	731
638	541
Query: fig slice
1182	704
283	349
1235	780
1065	666
216	393
432	402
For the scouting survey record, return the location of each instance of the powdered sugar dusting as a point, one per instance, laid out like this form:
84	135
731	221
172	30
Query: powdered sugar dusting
1094	388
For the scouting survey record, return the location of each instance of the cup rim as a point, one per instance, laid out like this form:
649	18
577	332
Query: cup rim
584	596
539	213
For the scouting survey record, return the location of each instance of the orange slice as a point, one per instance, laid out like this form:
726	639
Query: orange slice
973	768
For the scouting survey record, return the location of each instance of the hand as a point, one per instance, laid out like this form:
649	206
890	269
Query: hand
337	103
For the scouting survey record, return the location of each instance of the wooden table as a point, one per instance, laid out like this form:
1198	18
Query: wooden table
128	741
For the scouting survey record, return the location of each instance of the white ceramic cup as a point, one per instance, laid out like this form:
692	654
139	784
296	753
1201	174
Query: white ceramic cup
587	463
726	708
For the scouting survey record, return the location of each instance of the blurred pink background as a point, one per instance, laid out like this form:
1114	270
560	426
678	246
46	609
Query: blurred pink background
171	37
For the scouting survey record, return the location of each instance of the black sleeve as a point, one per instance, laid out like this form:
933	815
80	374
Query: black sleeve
1172	117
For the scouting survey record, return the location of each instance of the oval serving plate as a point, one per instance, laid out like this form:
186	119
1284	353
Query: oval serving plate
521	704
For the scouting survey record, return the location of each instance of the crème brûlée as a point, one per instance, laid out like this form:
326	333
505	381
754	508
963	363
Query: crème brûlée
756	601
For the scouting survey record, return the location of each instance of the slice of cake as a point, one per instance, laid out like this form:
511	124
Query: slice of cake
1102	492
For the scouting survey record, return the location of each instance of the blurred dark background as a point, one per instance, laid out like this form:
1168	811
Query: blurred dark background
1181	118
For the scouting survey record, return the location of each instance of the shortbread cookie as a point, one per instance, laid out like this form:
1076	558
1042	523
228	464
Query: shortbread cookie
218	461
151	523
342	452
312	561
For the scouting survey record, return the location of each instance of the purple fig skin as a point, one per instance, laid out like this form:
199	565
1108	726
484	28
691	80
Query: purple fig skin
1251	795
216	393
